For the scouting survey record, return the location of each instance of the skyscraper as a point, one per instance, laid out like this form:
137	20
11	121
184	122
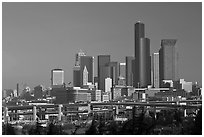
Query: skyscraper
108	84
122	69
88	62
113	72
129	70
85	76
155	70
76	70
168	59
57	78
142	76
78	56
76	76
103	70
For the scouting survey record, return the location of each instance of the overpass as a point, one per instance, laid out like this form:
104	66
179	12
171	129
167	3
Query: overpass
154	104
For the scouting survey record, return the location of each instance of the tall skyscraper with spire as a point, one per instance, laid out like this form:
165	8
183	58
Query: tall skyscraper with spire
87	62
142	75
85	76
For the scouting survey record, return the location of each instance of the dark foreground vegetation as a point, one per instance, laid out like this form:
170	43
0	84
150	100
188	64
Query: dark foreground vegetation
167	122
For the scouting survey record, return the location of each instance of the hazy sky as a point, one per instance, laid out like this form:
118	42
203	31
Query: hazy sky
38	37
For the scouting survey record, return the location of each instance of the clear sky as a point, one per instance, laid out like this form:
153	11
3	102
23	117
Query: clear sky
38	37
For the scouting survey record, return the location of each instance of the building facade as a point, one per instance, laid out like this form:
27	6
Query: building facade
129	71
142	76
114	72
57	77
38	92
103	70
108	84
76	76
155	70
168	60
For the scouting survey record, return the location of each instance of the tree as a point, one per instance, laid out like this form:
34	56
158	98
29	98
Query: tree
198	123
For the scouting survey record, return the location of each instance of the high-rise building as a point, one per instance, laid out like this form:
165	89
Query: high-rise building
168	59
113	72
76	76
88	62
85	76
103	70
108	84
57	77
38	92
142	76
78	56
129	71
155	70
122	69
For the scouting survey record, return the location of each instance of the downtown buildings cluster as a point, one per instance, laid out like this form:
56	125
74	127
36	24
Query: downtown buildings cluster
139	78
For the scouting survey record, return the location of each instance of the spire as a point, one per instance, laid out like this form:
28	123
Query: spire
85	76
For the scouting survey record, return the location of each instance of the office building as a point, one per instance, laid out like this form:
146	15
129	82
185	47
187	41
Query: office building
155	70
129	70
187	86
76	76
103	70
78	56
142	76
113	72
57	78
108	84
95	95
168	59
38	92
122	69
88	62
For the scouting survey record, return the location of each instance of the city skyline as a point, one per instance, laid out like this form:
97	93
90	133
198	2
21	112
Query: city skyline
50	34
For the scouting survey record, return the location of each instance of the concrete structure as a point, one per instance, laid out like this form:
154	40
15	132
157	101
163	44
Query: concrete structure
108	84
57	78
130	90
105	97
187	86
76	76
103	70
129	70
152	91
155	70
60	112
87	61
168	60
95	95
79	95
38	92
116	92
121	81
142	76
167	83
34	113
